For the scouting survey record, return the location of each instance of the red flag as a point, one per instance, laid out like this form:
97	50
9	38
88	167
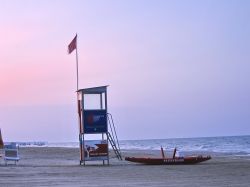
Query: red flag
72	45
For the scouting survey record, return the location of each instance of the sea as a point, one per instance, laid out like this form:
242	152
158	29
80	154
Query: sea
227	145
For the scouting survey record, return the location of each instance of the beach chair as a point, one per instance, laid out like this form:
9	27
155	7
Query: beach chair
11	153
1	153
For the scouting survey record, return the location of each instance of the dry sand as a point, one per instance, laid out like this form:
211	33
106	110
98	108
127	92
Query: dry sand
60	167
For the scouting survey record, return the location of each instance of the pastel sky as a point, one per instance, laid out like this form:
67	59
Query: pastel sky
175	68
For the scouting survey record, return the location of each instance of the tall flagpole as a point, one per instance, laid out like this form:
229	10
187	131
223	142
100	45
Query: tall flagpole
71	47
79	109
81	140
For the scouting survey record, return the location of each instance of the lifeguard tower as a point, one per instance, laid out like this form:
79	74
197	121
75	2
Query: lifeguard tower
93	120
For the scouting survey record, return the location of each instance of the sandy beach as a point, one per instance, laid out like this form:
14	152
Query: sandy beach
47	166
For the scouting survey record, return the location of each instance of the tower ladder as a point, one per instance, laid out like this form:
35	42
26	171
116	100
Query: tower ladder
112	137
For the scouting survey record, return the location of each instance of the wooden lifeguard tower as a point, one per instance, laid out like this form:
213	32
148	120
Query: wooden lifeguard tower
94	119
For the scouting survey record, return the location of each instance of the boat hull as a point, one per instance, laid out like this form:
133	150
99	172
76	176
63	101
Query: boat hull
169	161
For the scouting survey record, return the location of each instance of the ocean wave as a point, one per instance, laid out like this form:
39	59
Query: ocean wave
32	144
235	145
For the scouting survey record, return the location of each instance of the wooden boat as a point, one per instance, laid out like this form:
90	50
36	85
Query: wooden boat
169	161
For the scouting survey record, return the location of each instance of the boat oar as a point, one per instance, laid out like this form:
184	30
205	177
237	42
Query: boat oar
174	153
162	153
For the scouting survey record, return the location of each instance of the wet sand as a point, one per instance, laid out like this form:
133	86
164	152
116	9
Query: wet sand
60	167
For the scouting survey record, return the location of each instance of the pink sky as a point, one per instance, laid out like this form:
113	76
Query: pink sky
175	66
